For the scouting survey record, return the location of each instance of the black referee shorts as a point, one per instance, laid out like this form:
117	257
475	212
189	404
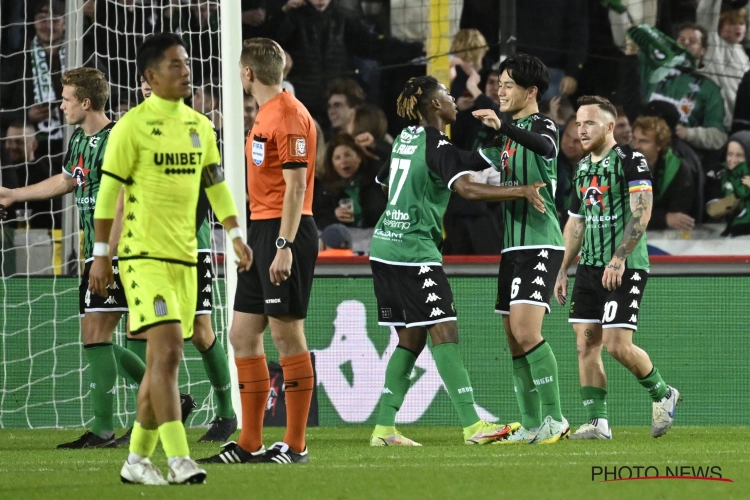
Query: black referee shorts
255	292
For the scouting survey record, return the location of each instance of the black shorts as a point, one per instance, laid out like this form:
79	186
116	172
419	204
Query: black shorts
527	277
205	284
255	292
592	303
412	295
91	302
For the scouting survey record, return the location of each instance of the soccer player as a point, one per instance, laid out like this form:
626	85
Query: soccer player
162	151
204	339
526	152
280	153
608	217
411	288
84	95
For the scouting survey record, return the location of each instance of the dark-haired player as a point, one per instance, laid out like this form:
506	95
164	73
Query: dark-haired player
85	92
525	152
162	166
611	208
412	290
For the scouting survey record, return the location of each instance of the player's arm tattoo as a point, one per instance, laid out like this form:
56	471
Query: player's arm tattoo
640	204
212	174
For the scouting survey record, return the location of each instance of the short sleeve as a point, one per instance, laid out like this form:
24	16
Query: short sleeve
547	128
491	156
634	165
122	152
383	174
292	136
575	204
443	158
67	166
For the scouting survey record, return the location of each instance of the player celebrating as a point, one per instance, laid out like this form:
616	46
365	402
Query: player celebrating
162	151
280	172
532	245
85	92
608	219
411	288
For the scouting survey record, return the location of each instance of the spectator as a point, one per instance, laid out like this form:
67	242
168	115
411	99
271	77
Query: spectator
369	127
623	133
347	191
250	111
207	100
344	95
741	118
8	179
323	40
668	75
570	153
484	16
559	108
674	185
735	187
21	147
725	59
336	241
559	37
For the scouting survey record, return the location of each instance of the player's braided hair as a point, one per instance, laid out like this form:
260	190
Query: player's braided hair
412	103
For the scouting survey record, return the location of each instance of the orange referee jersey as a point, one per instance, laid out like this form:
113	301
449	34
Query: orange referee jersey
283	136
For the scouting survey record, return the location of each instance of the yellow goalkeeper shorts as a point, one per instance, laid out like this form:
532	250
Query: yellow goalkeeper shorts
159	292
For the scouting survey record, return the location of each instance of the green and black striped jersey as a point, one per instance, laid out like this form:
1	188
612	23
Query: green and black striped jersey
601	196
83	162
525	153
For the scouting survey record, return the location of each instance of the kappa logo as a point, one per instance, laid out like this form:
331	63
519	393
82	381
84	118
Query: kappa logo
424	269
544	254
634	304
432	298
428	283
387	391
207	289
113	390
208	274
436	311
206	303
635	291
636	277
111	300
633	319
540	267
156	131
536	296
539	281
114	286
207	260
443	143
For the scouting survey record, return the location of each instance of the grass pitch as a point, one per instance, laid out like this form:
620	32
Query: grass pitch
343	466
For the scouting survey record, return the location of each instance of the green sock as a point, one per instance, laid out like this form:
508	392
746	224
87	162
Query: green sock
543	366
137	347
217	369
594	401
143	441
103	373
173	439
397	384
456	380
654	384
526	395
129	366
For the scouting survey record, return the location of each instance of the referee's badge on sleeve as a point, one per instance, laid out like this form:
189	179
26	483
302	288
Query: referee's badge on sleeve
297	146
259	152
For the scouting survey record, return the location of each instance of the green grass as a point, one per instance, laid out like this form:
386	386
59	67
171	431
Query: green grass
343	466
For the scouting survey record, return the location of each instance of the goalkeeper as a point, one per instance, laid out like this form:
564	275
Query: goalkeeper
162	151
85	92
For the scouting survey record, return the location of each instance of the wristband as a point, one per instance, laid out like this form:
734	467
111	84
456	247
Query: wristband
101	249
235	232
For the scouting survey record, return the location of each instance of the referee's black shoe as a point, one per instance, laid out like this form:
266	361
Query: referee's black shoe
232	453
281	453
89	440
187	403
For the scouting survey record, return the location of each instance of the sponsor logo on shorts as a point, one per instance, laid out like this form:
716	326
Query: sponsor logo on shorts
386	313
160	306
273	301
540	267
432	298
436	311
536	295
428	283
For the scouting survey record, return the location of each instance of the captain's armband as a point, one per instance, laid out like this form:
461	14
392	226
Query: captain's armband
212	174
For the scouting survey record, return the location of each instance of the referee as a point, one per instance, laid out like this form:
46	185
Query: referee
280	151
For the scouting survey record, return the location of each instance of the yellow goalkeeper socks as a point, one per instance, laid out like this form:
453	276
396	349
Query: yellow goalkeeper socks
174	439
143	441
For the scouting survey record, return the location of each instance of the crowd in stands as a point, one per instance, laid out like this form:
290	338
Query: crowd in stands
677	70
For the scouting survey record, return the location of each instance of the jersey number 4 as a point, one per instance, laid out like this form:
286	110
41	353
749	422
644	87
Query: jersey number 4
396	165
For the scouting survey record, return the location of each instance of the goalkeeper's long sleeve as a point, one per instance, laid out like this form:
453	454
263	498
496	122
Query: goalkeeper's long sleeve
221	200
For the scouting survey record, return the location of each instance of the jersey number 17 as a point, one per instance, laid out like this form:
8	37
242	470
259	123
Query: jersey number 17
397	164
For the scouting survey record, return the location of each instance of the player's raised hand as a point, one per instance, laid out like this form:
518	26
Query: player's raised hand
281	267
531	193
101	276
244	253
613	272
561	288
487	117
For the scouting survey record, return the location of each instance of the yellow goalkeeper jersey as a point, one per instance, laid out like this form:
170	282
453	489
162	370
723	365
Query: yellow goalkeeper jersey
158	150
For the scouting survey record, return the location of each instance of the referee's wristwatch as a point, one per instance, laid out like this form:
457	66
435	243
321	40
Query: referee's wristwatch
282	243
